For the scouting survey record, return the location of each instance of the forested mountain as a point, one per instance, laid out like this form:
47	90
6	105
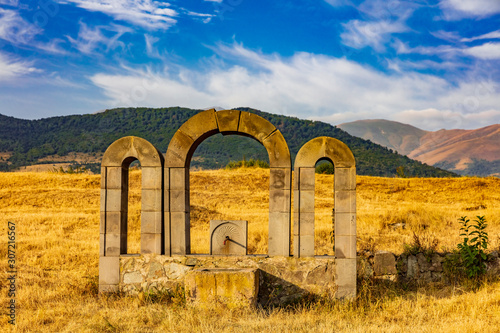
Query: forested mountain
30	140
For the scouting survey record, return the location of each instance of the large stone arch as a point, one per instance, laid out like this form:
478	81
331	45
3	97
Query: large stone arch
178	158
325	148
114	204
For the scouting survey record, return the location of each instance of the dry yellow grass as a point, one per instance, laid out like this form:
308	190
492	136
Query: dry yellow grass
57	220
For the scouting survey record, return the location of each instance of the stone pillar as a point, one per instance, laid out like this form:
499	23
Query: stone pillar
345	212
178	188
279	211
151	210
113	225
303	227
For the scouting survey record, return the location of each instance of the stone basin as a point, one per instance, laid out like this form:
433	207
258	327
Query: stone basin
232	287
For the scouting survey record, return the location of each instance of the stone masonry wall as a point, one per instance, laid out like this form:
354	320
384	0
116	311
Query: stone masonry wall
421	268
282	280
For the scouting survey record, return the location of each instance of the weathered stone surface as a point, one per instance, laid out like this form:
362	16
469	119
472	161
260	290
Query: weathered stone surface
384	263
155	270
230	287
228	237
327	148
364	269
132	277
279	154
280	178
175	271
109	270
132	147
201	125
345	278
228	121
151	243
413	270
255	126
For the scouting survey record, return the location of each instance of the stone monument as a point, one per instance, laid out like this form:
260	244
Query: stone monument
165	225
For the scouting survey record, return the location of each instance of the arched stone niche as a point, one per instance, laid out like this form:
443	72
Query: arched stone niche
114	204
176	182
335	151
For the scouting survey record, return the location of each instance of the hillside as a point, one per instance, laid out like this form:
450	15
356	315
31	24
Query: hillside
468	152
48	140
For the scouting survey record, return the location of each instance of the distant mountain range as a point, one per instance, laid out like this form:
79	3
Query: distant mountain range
467	152
80	140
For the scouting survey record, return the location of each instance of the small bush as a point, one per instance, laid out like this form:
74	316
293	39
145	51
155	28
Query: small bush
475	242
425	244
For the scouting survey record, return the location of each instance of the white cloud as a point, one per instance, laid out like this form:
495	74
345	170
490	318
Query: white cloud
457	9
10	68
100	37
149	14
383	18
308	86
487	51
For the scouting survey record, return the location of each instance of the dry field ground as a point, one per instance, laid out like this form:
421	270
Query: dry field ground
57	224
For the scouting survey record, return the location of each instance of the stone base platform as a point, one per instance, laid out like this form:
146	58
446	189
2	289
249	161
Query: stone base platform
280	280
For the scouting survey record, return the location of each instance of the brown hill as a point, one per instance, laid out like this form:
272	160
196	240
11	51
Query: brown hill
455	150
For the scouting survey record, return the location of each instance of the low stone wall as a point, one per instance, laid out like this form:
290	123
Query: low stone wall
421	268
281	279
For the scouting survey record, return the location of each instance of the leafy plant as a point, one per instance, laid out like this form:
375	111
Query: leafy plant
472	248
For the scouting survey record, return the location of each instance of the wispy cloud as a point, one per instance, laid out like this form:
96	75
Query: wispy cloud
206	18
20	33
100	37
490	35
14	29
305	85
334	3
11	68
359	34
148	14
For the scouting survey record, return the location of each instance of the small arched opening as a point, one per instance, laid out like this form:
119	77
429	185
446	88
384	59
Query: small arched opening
324	211
344	191
133	176
131	202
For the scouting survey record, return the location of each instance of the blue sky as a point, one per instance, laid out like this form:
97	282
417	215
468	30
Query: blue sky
432	64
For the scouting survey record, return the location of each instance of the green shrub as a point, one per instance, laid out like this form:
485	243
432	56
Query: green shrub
472	248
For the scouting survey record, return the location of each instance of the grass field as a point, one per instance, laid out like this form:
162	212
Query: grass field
57	235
